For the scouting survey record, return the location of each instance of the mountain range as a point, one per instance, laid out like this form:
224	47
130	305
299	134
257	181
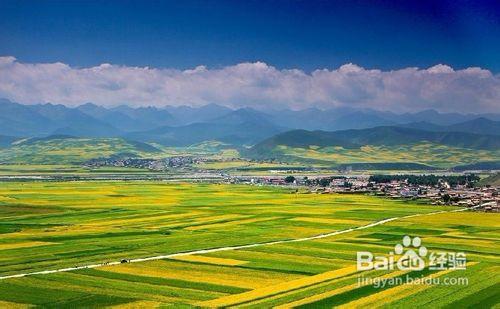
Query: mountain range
185	125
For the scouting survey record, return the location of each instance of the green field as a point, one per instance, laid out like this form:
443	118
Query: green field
51	225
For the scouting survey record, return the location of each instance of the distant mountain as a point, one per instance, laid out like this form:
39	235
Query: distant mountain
115	118
145	117
380	136
433	116
479	126
244	126
243	115
183	124
424	125
21	120
93	110
246	133
359	120
310	119
343	118
185	115
316	119
129	119
71	121
329	120
38	120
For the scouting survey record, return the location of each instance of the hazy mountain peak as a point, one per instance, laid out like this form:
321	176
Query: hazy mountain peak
89	105
214	105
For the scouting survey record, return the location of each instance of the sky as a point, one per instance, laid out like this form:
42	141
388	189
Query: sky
387	55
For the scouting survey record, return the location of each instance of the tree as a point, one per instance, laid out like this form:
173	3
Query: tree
347	184
324	182
289	179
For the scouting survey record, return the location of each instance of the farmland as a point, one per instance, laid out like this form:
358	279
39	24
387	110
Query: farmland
54	225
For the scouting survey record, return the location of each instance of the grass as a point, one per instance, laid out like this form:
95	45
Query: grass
51	225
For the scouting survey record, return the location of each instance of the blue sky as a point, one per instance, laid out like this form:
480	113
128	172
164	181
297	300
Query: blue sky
306	35
385	55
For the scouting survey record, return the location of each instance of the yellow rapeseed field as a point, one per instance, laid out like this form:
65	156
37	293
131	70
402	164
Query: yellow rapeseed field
209	260
238	277
25	245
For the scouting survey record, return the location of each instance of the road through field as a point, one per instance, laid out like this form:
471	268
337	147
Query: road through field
203	251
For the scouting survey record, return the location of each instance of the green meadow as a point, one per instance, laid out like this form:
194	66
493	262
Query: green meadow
53	225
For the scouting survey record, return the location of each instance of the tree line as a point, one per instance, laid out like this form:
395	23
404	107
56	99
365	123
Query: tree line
427	180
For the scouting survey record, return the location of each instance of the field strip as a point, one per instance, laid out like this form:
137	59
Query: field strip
229	300
203	251
27	244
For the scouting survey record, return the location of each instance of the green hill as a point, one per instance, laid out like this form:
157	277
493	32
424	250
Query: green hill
380	145
71	150
386	136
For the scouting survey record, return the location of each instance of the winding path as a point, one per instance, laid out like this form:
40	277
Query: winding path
173	255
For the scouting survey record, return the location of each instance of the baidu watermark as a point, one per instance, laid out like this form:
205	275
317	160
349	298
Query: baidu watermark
407	259
380	282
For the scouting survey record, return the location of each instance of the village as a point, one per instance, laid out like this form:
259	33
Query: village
150	164
442	192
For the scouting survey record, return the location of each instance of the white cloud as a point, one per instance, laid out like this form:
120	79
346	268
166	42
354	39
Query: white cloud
253	84
440	68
